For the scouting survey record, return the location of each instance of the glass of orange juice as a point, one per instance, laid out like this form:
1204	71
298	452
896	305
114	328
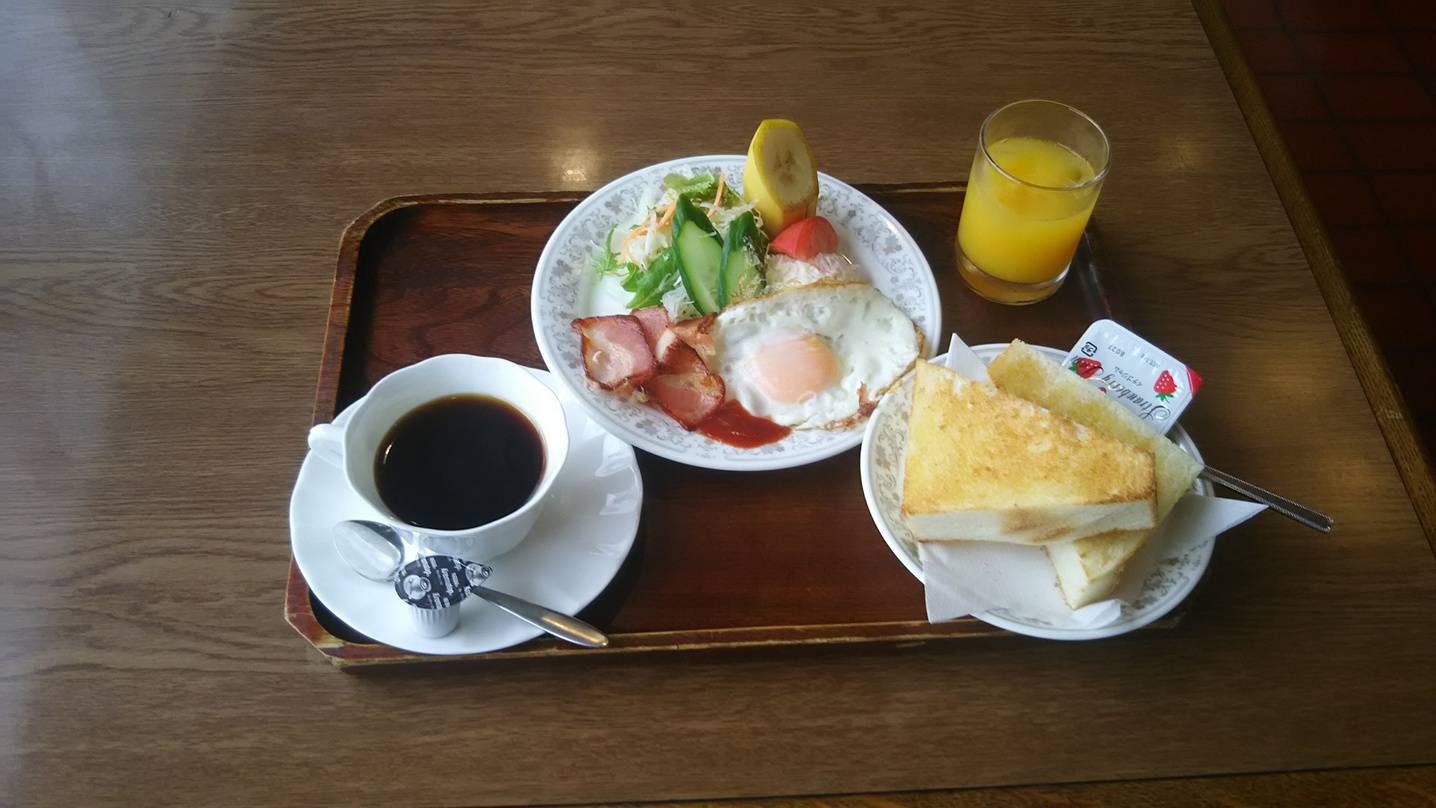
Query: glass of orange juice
1038	170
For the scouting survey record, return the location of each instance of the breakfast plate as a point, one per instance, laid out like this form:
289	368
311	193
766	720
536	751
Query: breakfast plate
566	287
573	552
1169	578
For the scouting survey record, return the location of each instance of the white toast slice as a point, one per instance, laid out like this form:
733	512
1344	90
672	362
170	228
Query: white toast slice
1090	567
982	465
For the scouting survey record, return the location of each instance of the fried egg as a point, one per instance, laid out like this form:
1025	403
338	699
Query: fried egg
816	356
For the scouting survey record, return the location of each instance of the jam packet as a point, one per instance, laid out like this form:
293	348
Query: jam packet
1138	374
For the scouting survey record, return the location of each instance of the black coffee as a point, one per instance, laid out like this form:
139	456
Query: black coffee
459	462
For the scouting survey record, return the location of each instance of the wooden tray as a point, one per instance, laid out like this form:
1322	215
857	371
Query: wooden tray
722	559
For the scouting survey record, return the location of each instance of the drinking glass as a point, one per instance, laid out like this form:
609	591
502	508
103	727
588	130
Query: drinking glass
1036	175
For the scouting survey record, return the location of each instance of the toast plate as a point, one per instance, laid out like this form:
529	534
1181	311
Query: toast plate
574	551
566	287
1168	579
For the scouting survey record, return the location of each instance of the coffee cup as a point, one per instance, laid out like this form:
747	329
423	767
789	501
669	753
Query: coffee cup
457	451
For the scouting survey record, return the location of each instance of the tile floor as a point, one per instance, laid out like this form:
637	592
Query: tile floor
1352	84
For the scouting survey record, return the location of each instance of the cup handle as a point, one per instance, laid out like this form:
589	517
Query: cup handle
327	441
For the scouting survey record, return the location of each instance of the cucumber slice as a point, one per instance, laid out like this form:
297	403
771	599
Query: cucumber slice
700	255
741	275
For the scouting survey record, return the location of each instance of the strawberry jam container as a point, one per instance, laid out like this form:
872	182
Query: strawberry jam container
1139	375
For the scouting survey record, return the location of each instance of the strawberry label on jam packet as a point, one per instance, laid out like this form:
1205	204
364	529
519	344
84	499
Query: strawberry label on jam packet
1139	375
1086	368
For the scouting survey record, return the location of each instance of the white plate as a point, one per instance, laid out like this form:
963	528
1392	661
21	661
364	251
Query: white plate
565	288
574	551
1168	580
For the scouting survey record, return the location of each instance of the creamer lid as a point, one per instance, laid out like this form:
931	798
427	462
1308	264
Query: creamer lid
437	582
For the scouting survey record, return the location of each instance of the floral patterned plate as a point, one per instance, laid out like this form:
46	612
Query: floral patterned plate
1168	581
566	287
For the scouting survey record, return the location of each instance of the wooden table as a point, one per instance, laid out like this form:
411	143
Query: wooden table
174	180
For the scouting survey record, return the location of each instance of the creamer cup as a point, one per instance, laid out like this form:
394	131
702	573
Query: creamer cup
433	587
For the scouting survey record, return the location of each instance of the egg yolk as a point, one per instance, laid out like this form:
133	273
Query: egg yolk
793	370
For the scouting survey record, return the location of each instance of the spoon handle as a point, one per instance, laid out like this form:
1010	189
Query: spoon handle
1292	510
556	623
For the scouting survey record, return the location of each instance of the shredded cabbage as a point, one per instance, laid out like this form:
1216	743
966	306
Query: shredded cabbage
679	305
722	217
648	242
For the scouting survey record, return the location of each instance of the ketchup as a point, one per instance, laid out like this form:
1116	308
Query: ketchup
735	426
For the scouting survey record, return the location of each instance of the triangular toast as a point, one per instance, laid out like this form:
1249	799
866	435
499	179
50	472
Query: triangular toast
983	465
1089	568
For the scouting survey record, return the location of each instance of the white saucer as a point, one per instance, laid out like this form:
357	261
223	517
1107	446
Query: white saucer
575	550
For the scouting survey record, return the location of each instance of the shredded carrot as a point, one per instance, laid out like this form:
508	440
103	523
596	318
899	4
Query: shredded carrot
623	253
718	200
644	228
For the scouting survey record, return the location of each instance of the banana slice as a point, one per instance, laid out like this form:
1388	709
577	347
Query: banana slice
780	176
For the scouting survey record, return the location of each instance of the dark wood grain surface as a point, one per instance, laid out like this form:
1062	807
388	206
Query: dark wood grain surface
174	181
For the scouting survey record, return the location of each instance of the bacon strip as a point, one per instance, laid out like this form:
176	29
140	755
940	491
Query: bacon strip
655	321
616	354
646	351
684	387
697	332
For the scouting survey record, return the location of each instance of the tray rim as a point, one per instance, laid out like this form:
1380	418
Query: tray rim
343	653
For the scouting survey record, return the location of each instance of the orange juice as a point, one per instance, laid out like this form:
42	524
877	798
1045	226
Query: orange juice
1021	224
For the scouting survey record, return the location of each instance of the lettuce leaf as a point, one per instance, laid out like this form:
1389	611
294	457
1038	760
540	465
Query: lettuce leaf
648	287
605	262
702	188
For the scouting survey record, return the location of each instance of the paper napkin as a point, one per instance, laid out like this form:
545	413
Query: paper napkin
966	577
962	359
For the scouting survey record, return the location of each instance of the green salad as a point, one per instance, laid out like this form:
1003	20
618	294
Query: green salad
695	247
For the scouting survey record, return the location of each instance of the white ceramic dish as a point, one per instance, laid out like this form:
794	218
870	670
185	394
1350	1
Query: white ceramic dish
1168	580
565	287
574	550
